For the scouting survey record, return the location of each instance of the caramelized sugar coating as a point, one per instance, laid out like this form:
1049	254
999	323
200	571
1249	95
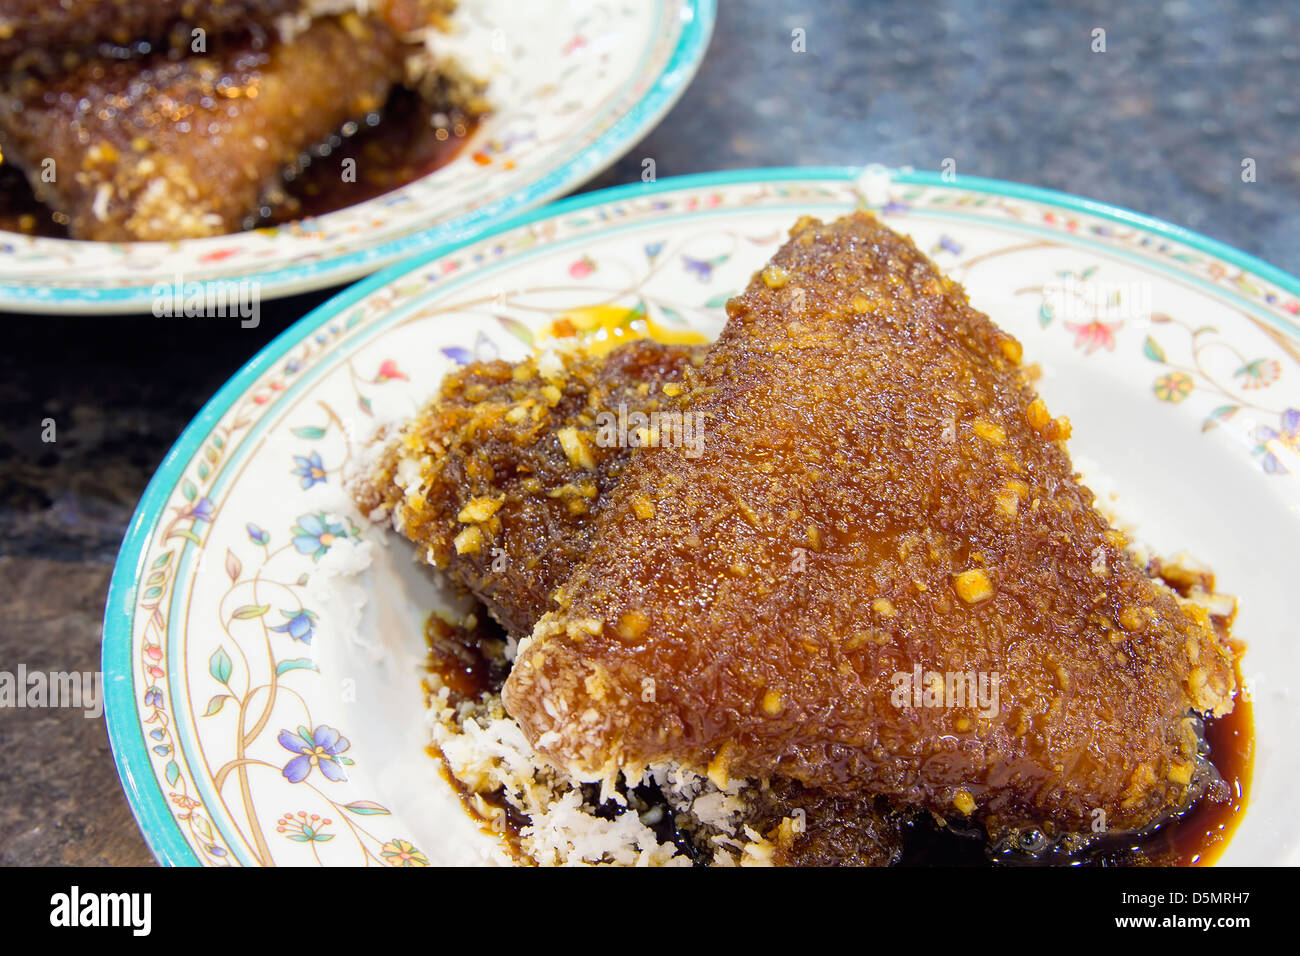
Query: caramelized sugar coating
170	147
493	480
473	447
880	491
73	24
806	827
77	26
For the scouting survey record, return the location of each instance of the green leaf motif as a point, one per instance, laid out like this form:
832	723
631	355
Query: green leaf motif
309	432
297	664
173	773
1152	350
1219	415
719	300
517	329
366	808
219	665
188	490
215	704
250	611
672	315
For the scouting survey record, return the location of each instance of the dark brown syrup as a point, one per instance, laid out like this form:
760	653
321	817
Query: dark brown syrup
407	140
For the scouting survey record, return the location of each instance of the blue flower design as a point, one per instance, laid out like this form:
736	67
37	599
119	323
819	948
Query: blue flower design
315	748
259	536
702	269
301	625
202	510
153	697
310	469
485	350
313	534
1283	439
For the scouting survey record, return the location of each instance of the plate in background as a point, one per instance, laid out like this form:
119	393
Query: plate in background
573	87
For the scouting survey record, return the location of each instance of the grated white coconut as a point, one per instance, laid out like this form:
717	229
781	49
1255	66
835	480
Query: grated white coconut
486	752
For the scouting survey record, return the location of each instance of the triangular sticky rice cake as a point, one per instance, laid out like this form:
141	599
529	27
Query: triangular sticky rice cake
472	445
880	497
482	480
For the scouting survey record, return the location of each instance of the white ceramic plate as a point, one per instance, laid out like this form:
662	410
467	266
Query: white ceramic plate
1177	359
573	86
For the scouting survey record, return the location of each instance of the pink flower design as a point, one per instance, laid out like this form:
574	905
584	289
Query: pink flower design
219	254
388	371
1093	335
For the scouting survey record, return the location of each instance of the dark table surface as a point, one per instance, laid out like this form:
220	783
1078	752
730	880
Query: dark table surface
1160	122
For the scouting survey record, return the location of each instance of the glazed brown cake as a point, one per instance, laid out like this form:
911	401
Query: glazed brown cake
880	490
36	28
72	25
164	143
489	479
190	146
493	435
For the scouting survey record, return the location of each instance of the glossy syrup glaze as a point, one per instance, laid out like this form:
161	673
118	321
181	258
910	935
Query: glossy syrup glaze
406	141
1196	837
881	506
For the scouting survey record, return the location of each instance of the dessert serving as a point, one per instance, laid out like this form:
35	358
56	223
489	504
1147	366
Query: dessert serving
162	120
829	591
290	145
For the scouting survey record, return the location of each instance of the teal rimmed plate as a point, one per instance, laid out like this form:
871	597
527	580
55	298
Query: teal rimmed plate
253	615
573	87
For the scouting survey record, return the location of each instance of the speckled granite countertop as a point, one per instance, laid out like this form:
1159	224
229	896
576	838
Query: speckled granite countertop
1160	123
